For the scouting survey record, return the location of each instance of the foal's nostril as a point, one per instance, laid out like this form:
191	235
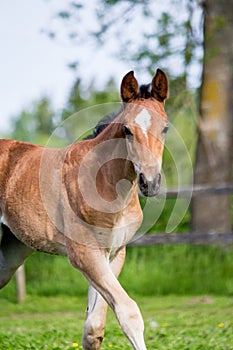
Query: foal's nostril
142	179
149	188
158	178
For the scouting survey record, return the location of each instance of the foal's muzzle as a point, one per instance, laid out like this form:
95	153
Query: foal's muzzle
149	188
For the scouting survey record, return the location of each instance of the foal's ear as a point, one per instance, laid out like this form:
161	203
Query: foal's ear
159	86
129	87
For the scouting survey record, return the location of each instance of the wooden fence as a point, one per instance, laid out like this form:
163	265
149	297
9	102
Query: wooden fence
182	238
200	190
164	238
187	237
20	284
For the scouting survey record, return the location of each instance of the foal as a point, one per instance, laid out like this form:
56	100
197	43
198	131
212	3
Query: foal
82	201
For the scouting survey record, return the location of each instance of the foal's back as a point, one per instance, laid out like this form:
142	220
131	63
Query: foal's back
20	197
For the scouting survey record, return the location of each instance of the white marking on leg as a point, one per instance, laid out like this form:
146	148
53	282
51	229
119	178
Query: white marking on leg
143	119
3	221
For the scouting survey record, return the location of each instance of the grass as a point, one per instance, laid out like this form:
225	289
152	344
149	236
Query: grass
180	270
171	323
53	316
160	270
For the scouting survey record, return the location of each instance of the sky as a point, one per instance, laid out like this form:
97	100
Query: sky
32	65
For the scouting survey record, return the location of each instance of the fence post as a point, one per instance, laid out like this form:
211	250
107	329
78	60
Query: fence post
20	284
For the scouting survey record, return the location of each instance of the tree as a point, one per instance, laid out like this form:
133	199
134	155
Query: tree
146	34
174	41
214	156
79	99
34	124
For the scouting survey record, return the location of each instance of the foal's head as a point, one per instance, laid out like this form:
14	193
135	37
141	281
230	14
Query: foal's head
145	124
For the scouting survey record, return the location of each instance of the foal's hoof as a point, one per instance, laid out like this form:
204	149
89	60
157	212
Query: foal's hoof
91	343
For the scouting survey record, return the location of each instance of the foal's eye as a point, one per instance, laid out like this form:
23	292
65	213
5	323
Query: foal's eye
126	131
165	130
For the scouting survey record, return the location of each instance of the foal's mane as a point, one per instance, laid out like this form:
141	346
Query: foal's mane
144	92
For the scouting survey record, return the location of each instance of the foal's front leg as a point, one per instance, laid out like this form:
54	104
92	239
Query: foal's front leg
92	263
97	309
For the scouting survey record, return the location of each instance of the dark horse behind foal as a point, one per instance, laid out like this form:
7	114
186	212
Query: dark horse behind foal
82	201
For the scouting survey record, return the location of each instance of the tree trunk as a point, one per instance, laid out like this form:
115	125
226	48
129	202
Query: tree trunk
214	153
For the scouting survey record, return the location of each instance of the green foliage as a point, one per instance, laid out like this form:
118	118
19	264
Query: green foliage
147	35
80	99
171	323
37	123
34	124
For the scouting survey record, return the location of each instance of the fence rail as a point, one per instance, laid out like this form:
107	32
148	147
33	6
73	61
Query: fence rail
182	238
188	237
199	190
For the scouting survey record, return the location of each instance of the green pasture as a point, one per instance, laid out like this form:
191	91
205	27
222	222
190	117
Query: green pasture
152	271
185	294
171	323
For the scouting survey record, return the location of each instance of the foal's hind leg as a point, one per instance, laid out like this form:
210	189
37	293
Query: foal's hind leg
95	322
12	254
97	309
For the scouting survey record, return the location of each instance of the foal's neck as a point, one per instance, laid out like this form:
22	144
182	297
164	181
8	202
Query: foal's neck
112	131
115	166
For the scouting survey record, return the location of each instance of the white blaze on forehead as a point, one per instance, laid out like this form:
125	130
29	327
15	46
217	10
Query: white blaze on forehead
143	119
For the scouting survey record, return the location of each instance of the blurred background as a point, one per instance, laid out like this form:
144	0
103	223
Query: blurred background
60	57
